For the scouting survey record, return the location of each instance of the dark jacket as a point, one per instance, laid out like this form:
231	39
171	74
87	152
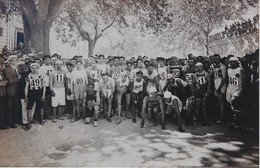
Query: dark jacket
13	81
2	85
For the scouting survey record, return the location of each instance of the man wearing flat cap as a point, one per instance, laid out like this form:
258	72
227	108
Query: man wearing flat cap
13	78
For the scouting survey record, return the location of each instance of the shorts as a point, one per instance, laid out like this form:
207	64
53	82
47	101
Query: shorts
232	93
200	93
217	82
152	105
170	109
59	98
35	96
79	91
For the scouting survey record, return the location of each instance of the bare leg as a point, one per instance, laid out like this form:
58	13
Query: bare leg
54	114
221	104
119	107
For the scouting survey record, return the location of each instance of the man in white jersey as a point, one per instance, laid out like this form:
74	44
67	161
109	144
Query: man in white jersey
57	85
80	84
162	74
71	106
46	69
102	66
122	89
173	104
94	74
151	77
236	76
116	70
138	91
140	67
34	93
107	88
219	72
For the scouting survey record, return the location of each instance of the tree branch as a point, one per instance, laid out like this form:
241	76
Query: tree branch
29	9
83	33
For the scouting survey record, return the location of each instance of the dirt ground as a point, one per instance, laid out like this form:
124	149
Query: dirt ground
78	144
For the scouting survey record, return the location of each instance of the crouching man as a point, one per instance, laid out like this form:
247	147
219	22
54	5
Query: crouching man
153	102
173	104
91	104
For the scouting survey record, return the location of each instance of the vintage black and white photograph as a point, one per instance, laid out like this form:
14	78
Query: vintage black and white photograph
129	83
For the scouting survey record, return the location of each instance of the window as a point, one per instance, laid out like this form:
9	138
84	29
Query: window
1	31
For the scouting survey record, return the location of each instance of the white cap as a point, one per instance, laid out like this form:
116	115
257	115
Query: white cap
12	57
123	74
234	59
20	63
34	64
167	94
198	64
59	62
152	90
32	54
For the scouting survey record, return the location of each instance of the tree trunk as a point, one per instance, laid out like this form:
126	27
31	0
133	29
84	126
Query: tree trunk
207	43
27	34
40	37
46	49
91	47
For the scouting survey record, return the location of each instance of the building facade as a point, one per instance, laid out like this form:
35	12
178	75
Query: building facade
11	32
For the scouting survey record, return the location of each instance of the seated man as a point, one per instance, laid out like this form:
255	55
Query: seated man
173	104
91	104
153	102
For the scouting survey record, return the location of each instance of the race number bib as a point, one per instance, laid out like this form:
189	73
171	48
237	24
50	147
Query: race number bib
48	72
189	77
176	73
115	74
79	81
69	81
233	81
35	83
162	76
59	78
201	80
217	73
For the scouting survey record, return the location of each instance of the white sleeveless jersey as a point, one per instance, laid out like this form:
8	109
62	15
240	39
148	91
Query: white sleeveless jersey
36	82
107	85
46	70
151	76
162	73
80	77
179	102
138	86
58	79
102	67
234	79
123	85
94	74
116	71
70	79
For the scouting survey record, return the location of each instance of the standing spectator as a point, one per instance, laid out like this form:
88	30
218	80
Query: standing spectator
5	50
3	83
13	78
